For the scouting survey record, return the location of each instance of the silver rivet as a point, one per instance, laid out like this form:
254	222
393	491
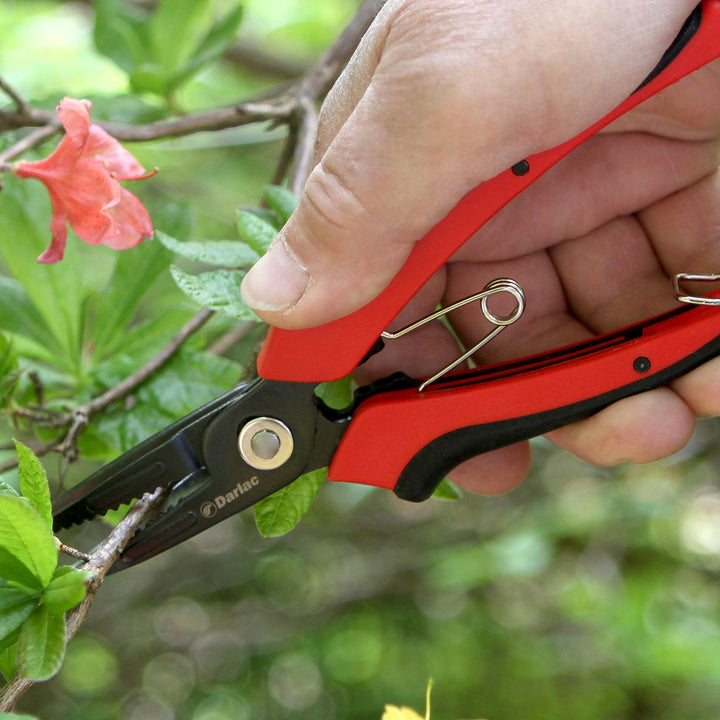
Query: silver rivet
265	443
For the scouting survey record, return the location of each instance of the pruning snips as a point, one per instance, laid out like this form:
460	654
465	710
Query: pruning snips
399	433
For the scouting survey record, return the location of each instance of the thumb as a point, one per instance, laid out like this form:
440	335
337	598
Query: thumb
440	97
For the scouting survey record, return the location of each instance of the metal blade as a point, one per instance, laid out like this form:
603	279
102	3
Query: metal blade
203	459
160	461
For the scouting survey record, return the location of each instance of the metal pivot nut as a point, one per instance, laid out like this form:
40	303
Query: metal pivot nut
265	443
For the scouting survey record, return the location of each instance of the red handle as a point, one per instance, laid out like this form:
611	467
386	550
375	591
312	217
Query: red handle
406	440
334	350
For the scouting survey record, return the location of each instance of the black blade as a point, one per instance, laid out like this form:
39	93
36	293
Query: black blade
198	458
160	461
208	504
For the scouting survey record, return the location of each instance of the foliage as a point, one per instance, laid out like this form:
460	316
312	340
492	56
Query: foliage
220	289
35	593
138	41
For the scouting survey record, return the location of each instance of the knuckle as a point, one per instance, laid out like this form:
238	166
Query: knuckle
331	200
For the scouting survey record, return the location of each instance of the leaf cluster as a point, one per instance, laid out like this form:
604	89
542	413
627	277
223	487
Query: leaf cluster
35	593
162	50
219	289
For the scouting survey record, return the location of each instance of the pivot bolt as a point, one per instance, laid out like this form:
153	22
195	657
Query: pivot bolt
265	443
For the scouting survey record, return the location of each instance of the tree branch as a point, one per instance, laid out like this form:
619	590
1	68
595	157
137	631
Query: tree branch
31	140
20	102
132	382
288	105
316	84
98	565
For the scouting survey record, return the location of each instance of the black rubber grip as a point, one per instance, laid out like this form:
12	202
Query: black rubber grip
691	26
429	466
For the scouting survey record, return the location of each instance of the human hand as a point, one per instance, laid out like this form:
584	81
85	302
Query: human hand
443	95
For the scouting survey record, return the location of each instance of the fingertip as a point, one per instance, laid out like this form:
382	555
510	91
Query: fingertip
700	389
496	472
638	429
276	283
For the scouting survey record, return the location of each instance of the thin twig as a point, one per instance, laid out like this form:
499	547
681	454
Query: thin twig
327	69
315	85
39	451
98	565
74	422
31	140
20	102
226	341
281	107
303	157
132	382
72	552
277	108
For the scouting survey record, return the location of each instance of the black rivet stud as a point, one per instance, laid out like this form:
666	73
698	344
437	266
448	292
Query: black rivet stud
641	364
521	168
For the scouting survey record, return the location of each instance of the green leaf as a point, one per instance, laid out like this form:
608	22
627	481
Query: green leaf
218	290
8	368
25	535
447	490
149	78
114	307
337	394
120	33
176	29
7	664
41	645
221	36
67	589
19	317
266	214
188	381
283	510
34	483
281	200
15	607
255	231
6	487
16	573
227	253
13	716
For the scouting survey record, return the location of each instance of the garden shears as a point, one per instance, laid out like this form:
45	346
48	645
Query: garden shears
400	433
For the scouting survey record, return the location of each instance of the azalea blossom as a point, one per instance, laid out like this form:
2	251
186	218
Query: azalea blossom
82	177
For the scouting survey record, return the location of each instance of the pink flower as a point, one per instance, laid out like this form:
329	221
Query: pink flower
81	176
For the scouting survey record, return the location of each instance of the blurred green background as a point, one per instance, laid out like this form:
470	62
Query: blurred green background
585	594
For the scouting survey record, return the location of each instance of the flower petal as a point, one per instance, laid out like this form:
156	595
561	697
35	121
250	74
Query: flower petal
119	162
81	176
92	224
56	249
132	221
60	161
75	117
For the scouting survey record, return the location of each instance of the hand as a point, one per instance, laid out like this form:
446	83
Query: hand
442	95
